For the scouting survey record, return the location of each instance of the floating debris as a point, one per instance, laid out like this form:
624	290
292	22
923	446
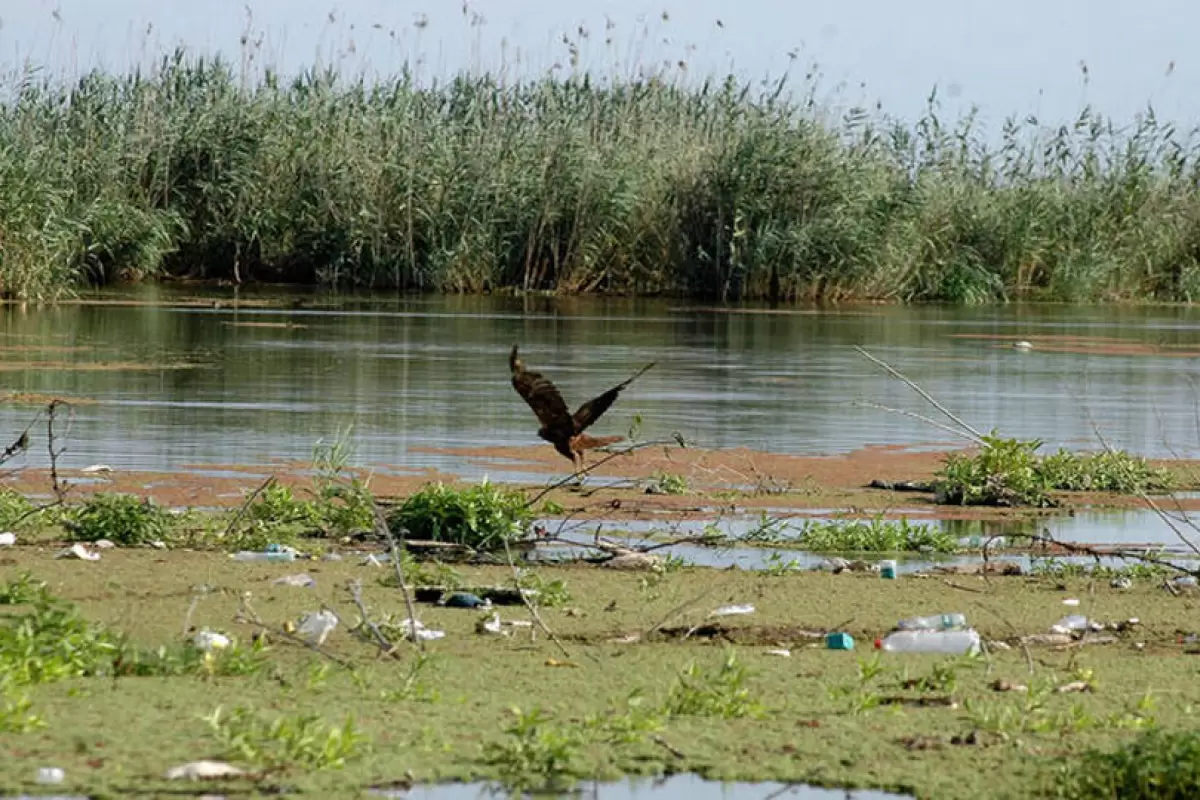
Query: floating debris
730	611
203	770
301	581
80	552
315	627
208	641
8	539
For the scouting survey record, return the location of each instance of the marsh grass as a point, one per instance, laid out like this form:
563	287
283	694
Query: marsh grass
578	184
1157	764
875	535
483	516
1010	472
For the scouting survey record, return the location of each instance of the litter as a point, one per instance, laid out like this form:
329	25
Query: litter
315	627
301	581
272	552
781	651
1074	622
491	625
104	544
1074	686
729	611
1071	601
97	469
839	641
197	770
423	633
887	570
51	775
554	662
80	552
466	600
927	641
936	622
8	539
209	641
1120	582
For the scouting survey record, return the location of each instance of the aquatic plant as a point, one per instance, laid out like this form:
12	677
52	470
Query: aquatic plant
302	740
713	188
482	517
720	692
875	535
121	518
1009	472
536	756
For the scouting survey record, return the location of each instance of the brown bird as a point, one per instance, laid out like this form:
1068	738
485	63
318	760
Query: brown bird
560	427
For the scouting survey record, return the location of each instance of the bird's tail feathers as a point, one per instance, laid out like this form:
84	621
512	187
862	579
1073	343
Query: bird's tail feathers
637	374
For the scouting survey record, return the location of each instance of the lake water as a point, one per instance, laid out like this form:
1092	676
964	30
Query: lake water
411	372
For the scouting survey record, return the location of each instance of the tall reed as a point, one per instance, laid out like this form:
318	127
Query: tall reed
568	184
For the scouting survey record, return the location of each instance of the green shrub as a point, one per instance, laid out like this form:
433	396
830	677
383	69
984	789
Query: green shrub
121	518
482	517
876	535
1157	765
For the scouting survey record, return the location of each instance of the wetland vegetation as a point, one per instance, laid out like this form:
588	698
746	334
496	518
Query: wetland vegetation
711	189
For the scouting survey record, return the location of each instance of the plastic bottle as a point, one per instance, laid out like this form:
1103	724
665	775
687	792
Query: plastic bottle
937	622
927	641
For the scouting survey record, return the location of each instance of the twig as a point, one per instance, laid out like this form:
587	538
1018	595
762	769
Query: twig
600	463
187	618
533	612
679	609
355	589
382	527
60	489
922	417
670	748
241	512
912	384
246	613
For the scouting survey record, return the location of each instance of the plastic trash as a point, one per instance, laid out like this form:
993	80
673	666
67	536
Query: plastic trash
730	611
51	775
97	469
779	651
930	641
411	627
272	552
467	600
1071	601
300	581
936	622
1185	581
209	641
492	625
8	539
104	544
315	627
1121	582
198	770
887	569
80	552
1074	622
839	641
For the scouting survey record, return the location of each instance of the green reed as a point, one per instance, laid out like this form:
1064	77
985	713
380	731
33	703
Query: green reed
714	190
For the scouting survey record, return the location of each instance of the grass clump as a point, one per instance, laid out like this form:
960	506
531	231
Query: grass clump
52	642
123	519
1009	472
721	692
1164	765
481	517
302	740
535	755
876	535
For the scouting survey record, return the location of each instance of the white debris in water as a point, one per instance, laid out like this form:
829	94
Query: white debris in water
97	469
729	611
492	625
315	627
1071	601
780	651
197	770
1022	345
80	552
410	626
8	539
104	544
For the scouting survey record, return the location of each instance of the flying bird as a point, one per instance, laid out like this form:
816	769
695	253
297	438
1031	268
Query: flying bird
560	427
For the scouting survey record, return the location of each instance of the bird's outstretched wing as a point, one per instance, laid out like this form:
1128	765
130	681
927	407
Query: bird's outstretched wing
541	395
593	409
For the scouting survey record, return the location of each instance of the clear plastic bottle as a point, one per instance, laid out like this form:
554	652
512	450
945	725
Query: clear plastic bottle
937	622
927	641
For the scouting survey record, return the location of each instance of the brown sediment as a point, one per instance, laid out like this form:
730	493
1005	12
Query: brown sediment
721	483
94	366
1089	345
37	399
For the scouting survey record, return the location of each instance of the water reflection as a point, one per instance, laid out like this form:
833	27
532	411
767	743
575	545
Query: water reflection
676	787
413	372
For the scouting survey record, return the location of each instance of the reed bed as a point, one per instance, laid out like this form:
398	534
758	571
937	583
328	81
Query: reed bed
717	190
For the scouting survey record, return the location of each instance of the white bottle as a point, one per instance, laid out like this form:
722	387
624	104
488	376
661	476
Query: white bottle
937	622
926	641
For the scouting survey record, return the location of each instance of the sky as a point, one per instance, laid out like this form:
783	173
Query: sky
1019	57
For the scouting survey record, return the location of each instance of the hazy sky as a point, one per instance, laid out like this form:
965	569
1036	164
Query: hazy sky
1019	56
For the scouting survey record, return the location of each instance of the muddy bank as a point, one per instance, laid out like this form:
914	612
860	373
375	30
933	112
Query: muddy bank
719	482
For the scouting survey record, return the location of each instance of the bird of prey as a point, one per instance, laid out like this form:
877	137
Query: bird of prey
560	427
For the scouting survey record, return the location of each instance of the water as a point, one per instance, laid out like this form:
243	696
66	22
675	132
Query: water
676	787
419	372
